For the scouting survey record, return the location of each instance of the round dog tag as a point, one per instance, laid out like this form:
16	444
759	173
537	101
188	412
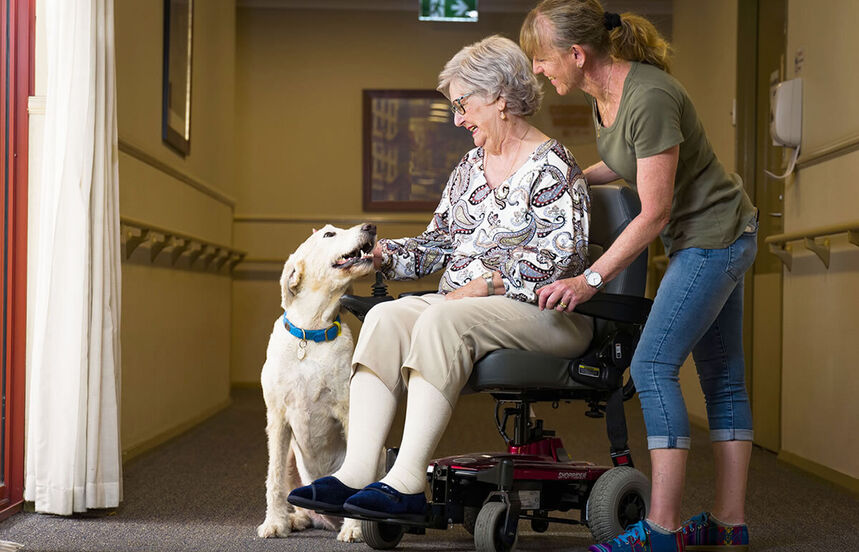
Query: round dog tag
301	352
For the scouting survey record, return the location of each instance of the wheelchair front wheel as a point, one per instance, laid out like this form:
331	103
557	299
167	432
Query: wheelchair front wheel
380	535
489	529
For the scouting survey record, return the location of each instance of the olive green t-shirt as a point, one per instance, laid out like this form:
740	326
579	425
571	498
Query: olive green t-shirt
710	208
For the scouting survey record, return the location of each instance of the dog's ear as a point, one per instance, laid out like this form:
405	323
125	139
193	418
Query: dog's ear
290	280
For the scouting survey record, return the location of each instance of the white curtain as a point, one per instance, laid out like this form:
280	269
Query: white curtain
73	452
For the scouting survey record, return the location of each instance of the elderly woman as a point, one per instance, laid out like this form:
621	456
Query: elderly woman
512	218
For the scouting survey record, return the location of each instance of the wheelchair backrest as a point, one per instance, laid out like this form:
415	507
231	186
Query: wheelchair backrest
613	206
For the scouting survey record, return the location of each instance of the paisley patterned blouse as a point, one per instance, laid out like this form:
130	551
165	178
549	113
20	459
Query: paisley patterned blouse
533	228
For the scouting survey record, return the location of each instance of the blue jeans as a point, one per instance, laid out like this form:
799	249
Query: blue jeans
698	309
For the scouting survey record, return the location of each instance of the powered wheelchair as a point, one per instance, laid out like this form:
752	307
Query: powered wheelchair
490	493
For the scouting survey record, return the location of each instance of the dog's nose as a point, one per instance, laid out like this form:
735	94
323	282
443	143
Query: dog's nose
371	228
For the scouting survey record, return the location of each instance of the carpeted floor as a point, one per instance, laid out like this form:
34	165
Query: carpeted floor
204	491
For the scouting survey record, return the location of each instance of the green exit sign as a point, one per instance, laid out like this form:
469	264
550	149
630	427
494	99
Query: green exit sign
448	10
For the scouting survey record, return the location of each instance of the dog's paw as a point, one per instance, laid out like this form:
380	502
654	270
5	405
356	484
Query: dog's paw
299	521
350	531
271	528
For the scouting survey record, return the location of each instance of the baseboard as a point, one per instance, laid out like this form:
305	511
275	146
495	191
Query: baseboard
833	476
9	509
165	436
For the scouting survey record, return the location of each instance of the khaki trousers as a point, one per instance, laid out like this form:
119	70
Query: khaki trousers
442	339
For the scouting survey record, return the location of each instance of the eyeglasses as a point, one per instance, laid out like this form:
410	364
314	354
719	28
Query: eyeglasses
456	105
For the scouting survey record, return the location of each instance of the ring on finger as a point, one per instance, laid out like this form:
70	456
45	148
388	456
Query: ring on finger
562	305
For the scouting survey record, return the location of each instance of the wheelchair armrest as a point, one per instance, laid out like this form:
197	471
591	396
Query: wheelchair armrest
628	309
360	306
416	293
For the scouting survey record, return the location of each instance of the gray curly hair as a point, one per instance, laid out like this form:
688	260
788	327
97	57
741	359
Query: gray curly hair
495	67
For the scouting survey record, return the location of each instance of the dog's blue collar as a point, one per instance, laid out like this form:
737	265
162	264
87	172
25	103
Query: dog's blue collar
328	334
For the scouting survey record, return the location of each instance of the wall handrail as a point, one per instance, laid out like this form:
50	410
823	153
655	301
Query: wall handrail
828	230
135	233
832	151
815	239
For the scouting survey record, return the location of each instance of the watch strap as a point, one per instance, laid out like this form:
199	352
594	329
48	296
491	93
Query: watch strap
488	277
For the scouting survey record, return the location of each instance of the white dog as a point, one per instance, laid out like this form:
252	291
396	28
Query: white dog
306	382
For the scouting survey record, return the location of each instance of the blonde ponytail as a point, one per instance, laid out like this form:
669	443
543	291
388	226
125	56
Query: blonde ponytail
636	39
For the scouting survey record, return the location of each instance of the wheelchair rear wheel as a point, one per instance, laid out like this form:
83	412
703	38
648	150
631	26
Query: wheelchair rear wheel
620	497
380	535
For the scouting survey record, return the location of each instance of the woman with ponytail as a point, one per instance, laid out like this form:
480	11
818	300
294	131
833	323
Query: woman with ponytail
649	135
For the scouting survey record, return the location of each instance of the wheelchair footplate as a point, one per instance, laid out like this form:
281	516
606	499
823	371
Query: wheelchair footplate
434	519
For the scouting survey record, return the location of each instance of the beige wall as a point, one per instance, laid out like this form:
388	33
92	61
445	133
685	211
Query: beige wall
139	64
175	322
300	74
819	382
705	43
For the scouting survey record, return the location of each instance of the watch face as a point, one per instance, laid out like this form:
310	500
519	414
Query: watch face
594	279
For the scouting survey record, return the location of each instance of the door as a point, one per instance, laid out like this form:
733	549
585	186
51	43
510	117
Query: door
761	54
16	24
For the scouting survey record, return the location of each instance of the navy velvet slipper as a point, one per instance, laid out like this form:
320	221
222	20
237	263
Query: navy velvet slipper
381	501
326	494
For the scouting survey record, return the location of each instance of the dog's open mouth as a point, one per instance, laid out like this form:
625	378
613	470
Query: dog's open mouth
360	255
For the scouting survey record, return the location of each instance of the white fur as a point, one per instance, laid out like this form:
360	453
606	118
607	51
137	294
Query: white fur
307	400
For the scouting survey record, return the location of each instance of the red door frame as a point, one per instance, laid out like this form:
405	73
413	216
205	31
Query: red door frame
18	20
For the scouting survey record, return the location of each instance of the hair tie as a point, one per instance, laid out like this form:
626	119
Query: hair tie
611	20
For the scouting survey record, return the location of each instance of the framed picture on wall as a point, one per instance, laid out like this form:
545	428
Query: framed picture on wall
410	148
176	78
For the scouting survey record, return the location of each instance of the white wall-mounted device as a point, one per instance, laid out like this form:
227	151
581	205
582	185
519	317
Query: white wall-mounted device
786	114
786	119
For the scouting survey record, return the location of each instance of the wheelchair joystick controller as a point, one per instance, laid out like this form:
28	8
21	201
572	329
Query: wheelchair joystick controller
380	288
359	306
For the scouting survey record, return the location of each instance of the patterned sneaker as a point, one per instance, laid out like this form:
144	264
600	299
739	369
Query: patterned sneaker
639	537
703	534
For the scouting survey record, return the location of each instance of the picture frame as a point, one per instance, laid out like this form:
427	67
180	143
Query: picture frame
410	147
176	78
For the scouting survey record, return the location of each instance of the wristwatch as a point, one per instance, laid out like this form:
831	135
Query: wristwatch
490	284
593	278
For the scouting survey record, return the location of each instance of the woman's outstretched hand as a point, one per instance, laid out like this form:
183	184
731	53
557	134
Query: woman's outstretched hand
564	295
377	256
